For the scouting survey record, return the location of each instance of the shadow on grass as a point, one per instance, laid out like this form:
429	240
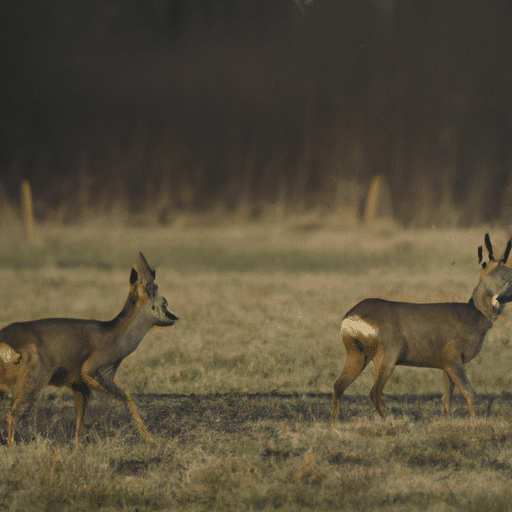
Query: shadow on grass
176	415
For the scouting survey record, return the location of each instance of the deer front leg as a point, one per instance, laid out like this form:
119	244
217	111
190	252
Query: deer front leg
102	380
448	386
81	394
135	415
457	374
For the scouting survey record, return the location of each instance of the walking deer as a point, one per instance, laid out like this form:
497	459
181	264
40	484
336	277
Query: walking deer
437	335
83	355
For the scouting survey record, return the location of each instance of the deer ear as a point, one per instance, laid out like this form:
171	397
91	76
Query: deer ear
507	252
133	276
146	273
479	254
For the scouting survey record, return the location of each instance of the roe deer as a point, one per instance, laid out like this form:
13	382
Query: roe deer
84	355
436	335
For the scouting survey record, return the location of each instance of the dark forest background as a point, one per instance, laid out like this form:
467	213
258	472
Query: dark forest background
258	108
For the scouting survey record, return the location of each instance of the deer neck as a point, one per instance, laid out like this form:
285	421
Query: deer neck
483	300
130	326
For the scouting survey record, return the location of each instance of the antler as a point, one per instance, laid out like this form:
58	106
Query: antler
487	240
480	256
507	251
488	245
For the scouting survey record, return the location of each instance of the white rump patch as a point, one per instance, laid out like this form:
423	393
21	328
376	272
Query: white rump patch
7	354
355	325
495	304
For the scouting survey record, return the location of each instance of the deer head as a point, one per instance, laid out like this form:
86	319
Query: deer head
493	292
142	283
488	267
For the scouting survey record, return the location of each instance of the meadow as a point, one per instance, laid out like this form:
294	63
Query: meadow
237	394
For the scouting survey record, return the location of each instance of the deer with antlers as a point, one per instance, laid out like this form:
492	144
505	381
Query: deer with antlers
438	335
82	355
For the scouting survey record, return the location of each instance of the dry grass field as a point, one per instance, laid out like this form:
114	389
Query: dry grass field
237	394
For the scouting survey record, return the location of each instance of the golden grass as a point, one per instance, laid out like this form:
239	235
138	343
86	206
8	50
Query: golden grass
271	330
404	465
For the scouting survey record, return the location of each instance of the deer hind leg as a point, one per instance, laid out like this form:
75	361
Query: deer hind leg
30	381
103	382
8	375
384	365
448	385
457	373
355	362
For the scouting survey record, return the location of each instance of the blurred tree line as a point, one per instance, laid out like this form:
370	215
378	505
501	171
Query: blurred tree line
258	107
